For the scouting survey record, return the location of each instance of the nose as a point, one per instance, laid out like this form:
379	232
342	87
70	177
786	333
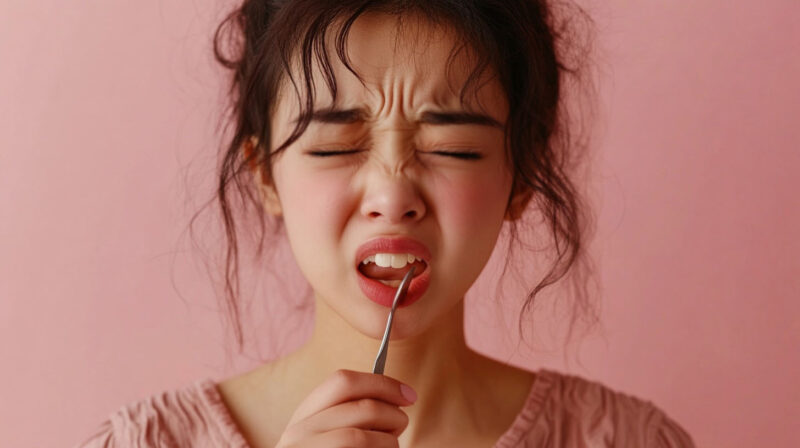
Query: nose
392	200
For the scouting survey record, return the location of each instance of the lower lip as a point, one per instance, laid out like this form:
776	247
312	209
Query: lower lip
384	294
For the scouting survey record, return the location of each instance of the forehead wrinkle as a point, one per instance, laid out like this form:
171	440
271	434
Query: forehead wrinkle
417	90
414	79
410	41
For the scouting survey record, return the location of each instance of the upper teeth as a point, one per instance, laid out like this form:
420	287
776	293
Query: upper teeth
396	261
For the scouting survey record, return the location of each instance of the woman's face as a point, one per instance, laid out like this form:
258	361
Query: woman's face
399	182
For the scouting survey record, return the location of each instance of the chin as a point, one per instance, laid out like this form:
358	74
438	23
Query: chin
371	322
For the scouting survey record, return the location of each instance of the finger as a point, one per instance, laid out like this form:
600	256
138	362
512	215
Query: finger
348	385
365	413
355	438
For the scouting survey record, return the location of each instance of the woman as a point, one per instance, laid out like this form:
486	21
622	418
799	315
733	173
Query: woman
381	136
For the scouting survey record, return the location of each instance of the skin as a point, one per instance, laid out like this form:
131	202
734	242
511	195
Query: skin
396	185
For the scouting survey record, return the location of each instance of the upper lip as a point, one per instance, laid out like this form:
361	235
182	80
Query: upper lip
393	245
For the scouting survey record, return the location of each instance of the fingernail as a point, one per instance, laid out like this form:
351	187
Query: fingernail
408	393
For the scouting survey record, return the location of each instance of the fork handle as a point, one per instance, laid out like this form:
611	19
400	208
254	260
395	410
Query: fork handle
380	360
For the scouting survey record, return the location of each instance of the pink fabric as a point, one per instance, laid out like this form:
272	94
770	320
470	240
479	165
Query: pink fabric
561	411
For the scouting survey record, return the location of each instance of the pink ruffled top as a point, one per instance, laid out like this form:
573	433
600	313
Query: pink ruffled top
561	411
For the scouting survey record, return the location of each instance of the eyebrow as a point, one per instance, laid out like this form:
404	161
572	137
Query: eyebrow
348	116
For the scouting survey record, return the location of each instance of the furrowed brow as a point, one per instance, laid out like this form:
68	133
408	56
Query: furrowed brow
348	116
451	118
337	116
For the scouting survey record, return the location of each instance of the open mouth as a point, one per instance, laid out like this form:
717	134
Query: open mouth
382	263
390	269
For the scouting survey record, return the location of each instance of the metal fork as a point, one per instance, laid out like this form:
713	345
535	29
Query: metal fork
380	361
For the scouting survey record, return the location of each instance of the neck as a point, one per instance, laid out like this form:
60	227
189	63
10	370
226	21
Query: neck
421	360
440	367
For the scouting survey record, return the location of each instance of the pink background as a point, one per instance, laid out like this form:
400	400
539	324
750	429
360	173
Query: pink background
108	113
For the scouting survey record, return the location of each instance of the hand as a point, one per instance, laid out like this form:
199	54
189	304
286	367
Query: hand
349	409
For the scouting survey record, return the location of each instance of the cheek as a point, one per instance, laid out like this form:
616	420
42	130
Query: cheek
316	200
473	202
314	211
471	212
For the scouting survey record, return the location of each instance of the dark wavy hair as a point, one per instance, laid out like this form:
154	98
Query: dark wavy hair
538	50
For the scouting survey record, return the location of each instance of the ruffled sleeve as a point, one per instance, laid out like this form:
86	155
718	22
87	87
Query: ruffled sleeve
193	416
131	427
568	411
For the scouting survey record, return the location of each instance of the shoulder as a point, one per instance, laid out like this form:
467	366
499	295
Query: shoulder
571	409
190	416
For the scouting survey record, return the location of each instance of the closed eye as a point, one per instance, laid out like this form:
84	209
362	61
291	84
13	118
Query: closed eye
460	155
454	154
332	153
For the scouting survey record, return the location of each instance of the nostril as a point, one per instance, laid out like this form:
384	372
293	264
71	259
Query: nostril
409	214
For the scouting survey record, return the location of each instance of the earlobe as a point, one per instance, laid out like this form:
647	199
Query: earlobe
266	189
518	204
271	201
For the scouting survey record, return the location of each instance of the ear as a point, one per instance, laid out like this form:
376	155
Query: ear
266	188
518	205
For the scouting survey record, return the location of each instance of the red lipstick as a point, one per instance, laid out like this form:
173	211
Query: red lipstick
384	294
